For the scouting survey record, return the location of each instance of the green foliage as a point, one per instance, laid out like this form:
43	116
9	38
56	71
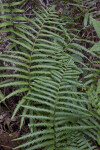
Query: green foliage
96	25
11	15
43	63
82	10
95	89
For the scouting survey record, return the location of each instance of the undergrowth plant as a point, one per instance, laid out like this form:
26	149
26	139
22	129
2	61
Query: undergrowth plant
95	87
10	15
82	10
43	66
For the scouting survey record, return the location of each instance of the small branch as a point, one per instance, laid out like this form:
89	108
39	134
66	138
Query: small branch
6	147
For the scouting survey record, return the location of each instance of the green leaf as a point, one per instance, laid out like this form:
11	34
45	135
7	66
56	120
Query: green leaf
86	18
4	4
96	25
17	10
5	17
17	107
98	87
96	47
17	3
14	93
5	24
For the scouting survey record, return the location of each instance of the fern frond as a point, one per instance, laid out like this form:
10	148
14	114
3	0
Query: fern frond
54	112
38	58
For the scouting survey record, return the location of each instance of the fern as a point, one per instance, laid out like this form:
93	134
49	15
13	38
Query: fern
57	108
38	57
10	15
44	69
